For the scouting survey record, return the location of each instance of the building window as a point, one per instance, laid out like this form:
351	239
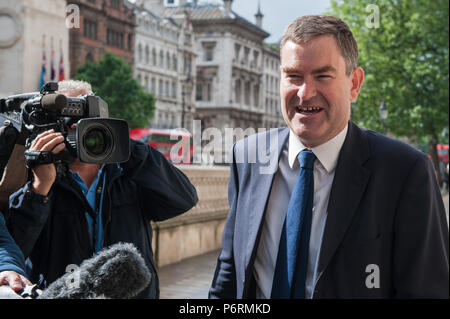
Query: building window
199	92
247	93
153	89
160	87
168	60
209	53
130	42
161	59
90	29
140	52
89	57
237	91
255	59
246	54
256	95
114	38
154	56
174	90
237	50
147	54
209	92
115	4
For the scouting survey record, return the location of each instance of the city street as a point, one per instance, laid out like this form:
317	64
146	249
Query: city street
192	277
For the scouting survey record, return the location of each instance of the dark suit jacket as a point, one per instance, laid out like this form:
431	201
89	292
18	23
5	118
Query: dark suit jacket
385	209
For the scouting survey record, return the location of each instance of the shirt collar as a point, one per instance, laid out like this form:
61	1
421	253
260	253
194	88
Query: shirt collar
327	153
80	181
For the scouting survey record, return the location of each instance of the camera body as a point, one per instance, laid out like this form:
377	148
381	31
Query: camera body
96	139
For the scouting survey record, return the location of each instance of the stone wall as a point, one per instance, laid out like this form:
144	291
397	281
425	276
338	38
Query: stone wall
199	230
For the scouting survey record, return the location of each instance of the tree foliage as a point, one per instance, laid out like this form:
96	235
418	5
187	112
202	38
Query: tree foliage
406	64
111	78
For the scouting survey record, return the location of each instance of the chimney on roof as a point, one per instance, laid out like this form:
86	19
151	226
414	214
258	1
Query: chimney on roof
259	16
227	5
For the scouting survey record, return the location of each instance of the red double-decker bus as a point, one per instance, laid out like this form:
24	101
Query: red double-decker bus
175	145
442	150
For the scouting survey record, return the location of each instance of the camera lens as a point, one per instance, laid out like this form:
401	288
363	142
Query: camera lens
97	141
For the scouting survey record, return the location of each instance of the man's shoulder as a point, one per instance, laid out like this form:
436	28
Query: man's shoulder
384	148
262	139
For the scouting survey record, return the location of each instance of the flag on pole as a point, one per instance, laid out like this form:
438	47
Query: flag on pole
44	66
52	70
61	67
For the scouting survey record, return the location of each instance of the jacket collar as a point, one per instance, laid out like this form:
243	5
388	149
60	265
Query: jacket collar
264	175
349	184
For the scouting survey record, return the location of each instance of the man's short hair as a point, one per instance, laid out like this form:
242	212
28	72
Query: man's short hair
305	28
75	87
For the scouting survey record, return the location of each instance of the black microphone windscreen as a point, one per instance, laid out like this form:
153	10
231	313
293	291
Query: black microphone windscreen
117	272
54	102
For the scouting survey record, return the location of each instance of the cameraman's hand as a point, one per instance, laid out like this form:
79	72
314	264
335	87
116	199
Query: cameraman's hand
45	175
14	280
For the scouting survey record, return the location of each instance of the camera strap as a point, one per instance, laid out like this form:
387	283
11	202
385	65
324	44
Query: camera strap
35	158
93	213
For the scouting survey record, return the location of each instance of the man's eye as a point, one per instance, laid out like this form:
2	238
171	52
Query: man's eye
293	76
324	76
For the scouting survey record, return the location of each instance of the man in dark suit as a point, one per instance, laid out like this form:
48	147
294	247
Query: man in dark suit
368	211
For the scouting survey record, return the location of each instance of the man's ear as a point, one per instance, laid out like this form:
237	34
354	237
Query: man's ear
357	79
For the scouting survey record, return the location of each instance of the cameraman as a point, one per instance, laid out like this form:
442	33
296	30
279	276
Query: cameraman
50	220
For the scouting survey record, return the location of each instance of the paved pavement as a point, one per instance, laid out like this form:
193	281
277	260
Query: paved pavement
191	278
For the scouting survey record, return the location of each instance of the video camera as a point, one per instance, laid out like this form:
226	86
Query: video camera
97	138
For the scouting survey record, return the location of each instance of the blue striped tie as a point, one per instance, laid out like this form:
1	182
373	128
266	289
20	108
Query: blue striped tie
292	260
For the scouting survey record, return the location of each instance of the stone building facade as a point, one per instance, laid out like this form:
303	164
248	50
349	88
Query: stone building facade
30	28
233	79
105	25
165	62
272	109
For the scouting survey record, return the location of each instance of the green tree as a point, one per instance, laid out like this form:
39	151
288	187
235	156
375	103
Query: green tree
111	78
406	64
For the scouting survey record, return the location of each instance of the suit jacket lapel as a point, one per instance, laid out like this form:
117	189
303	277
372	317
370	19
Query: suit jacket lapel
349	184
260	192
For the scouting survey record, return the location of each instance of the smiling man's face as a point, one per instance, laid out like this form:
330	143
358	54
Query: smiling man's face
315	90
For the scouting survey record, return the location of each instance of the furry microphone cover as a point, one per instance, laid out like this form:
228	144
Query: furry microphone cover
117	272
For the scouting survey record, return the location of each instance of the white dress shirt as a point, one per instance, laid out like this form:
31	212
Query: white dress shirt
284	181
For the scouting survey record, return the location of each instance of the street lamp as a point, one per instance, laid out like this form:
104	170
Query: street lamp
383	111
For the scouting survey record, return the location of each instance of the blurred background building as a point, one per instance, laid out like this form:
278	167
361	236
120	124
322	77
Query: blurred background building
33	34
104	26
165	63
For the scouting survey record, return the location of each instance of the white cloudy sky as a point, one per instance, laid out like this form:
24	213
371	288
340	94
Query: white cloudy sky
277	13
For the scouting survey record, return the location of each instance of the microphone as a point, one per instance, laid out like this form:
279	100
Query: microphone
117	272
54	102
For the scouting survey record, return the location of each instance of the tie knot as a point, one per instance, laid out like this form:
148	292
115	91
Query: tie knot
306	159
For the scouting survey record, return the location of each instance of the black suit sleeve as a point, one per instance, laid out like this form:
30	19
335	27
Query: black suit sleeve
421	265
224	282
165	191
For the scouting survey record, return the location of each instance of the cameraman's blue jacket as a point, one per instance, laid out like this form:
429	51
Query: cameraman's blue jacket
53	231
